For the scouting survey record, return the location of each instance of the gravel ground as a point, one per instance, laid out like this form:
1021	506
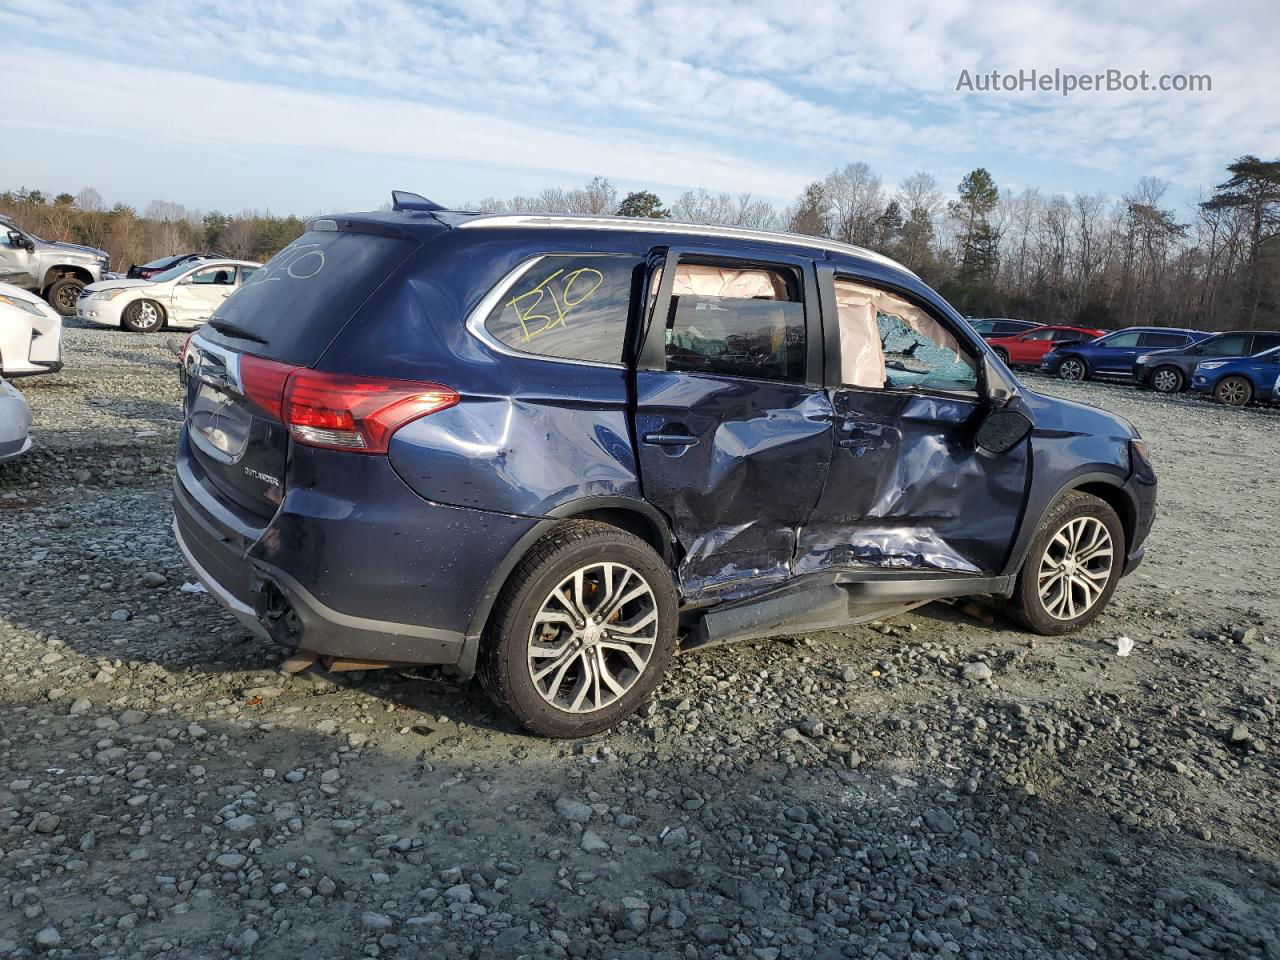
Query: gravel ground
926	786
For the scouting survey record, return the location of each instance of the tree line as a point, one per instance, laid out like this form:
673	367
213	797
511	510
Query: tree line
1085	258
163	228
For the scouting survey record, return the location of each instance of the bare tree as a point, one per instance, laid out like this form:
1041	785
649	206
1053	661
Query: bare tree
89	200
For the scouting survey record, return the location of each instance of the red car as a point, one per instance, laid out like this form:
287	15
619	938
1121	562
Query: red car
1028	349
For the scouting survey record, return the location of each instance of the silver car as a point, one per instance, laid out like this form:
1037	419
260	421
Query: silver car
15	422
56	271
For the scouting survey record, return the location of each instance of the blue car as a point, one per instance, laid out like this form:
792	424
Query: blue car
554	450
1240	380
1114	354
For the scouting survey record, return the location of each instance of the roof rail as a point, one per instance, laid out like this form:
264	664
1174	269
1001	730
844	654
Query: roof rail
404	200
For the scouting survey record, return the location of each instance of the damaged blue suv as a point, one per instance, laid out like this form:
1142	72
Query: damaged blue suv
551	450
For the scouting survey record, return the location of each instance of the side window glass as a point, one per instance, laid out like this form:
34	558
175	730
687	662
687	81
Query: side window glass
247	272
1122	340
1164	340
887	342
220	276
742	322
1265	341
568	306
1040	335
1232	345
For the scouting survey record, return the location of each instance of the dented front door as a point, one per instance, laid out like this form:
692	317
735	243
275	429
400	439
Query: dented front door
733	438
908	488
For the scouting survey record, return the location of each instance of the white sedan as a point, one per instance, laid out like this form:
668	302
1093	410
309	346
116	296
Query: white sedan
30	334
183	296
15	422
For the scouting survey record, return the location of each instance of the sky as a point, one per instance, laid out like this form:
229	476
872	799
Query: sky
329	104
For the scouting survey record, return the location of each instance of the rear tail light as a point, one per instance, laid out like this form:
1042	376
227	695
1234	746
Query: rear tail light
263	382
336	411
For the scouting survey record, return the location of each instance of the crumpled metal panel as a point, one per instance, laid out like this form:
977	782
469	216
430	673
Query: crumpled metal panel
908	489
522	456
737	496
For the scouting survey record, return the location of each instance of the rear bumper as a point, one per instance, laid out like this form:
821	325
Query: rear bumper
367	570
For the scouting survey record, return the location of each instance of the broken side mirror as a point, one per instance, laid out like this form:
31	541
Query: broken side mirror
1002	430
17	240
998	384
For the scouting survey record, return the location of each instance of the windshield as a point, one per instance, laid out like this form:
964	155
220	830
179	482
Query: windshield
5	224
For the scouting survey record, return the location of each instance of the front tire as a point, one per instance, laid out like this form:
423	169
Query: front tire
143	316
1233	391
582	632
1073	368
63	294
1004	357
1072	567
1167	380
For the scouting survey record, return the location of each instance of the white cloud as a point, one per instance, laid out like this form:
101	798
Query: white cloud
733	94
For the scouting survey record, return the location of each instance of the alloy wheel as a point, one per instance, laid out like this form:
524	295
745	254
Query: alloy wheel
147	313
1166	381
1075	568
1071	369
67	297
593	637
1234	392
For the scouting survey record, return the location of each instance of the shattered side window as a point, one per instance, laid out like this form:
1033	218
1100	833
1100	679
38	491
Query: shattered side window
888	343
572	307
916	357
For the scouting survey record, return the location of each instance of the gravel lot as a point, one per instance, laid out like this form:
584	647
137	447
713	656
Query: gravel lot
926	786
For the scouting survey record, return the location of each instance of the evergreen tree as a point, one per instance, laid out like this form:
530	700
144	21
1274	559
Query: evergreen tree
642	203
809	216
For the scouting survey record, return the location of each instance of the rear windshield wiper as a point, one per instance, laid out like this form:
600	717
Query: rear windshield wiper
229	329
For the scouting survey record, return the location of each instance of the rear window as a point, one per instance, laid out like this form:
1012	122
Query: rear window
301	298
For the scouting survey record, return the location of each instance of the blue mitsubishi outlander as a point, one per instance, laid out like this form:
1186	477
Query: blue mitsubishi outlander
551	450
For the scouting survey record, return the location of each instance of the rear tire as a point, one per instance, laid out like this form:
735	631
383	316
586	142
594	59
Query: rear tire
143	316
1073	368
1072	566
1167	380
1233	391
63	294
582	632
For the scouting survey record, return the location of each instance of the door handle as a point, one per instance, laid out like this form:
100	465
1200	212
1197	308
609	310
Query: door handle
670	439
854	437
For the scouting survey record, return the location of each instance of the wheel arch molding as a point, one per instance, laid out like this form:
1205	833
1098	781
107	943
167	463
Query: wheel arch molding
634	516
1108	487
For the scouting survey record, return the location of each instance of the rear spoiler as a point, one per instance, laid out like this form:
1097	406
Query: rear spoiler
404	200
